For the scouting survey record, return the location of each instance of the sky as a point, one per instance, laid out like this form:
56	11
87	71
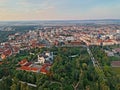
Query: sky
59	9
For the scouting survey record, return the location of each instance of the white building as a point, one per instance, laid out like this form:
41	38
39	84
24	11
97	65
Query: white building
71	38
41	59
45	57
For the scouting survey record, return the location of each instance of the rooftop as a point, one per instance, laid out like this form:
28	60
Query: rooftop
115	63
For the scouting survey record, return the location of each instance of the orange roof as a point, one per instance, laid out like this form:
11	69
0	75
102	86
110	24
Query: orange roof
3	56
23	61
1	63
99	40
108	40
29	68
25	68
7	52
43	69
34	69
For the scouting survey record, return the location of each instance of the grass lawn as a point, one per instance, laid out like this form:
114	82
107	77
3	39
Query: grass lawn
114	58
116	69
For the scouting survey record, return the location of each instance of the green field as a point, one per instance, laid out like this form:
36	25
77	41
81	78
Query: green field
116	69
114	58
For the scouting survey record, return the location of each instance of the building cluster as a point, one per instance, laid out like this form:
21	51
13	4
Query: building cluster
42	65
18	42
6	50
6	28
113	52
46	36
79	34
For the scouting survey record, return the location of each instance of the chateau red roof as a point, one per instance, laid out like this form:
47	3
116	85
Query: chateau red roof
26	68
34	69
28	64
44	68
23	61
43	71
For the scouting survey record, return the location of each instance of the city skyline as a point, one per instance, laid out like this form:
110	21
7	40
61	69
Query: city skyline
59	9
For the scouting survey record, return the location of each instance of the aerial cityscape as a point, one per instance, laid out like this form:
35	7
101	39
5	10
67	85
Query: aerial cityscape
59	45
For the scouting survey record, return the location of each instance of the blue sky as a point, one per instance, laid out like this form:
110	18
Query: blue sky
59	9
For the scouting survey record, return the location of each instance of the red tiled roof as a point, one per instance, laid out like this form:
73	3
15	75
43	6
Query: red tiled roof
99	40
15	49
25	68
7	52
28	64
1	63
43	69
108	40
34	69
23	61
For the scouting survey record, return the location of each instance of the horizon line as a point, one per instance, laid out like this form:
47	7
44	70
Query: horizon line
62	20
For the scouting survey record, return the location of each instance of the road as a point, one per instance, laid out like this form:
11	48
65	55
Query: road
29	84
94	61
96	64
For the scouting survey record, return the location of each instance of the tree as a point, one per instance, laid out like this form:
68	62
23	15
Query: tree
23	86
14	87
84	66
118	87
